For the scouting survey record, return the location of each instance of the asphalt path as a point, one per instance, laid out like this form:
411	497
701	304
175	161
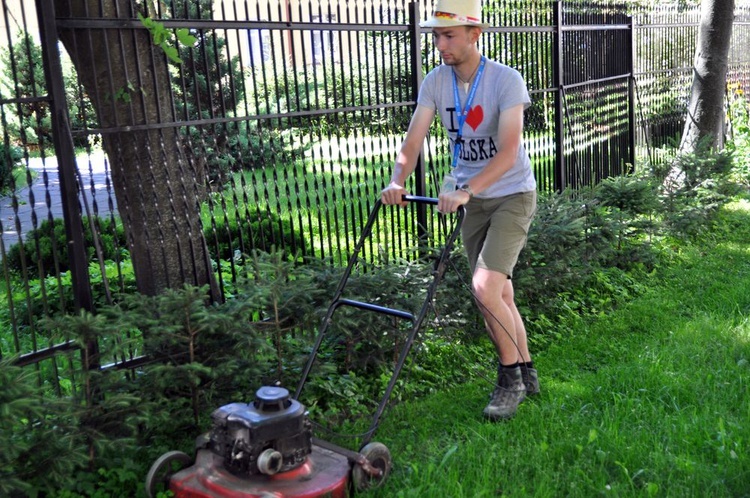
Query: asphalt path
44	199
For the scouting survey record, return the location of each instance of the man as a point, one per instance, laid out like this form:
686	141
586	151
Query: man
481	104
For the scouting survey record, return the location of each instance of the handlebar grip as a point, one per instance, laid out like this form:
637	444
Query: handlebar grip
420	199
461	212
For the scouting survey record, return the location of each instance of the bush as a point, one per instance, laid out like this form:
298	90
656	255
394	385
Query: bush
35	433
243	145
260	230
739	112
695	188
47	245
23	77
10	158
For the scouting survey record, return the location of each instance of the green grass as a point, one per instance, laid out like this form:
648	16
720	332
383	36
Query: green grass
651	400
19	177
327	194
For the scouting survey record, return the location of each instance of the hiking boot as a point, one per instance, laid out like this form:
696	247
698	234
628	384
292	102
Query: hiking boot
508	394
530	380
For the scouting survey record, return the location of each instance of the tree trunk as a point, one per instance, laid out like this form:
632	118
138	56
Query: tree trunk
704	126
157	184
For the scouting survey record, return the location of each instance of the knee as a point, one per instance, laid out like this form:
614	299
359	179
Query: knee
480	292
508	293
491	289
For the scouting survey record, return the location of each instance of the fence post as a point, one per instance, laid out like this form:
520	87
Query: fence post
558	83
631	92
415	50
66	165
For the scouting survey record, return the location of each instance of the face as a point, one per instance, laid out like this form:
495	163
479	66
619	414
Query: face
455	43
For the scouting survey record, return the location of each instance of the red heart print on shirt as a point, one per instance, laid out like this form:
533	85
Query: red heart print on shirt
475	116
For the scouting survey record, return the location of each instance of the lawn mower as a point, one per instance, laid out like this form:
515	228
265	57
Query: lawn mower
266	448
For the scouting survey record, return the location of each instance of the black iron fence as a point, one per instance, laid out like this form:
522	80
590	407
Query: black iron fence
145	145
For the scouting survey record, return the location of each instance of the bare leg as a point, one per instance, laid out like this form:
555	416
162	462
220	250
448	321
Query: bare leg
521	340
494	295
493	292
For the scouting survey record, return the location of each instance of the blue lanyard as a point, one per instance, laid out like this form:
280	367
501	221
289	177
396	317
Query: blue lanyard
462	113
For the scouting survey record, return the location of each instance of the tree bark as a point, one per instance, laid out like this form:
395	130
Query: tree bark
704	126
157	182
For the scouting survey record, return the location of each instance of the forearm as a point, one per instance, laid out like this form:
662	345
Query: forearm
406	163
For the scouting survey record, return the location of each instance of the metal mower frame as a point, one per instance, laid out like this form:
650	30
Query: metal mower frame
371	465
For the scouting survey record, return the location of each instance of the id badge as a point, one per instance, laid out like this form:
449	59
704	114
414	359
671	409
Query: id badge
449	184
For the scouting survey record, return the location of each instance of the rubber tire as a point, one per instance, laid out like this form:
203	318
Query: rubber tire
378	456
163	469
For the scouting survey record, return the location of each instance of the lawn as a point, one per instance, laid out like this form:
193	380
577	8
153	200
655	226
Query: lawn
651	400
644	393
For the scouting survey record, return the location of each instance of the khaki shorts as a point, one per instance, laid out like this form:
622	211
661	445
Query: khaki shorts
495	230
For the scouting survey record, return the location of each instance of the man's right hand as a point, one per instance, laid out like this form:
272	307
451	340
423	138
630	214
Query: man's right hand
393	194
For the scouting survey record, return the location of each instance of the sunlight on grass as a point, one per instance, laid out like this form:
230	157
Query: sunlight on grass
648	401
742	331
354	147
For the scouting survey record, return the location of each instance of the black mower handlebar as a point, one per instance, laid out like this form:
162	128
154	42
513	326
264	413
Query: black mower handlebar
420	199
433	201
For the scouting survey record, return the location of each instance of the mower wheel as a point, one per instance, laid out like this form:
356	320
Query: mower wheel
163	469
379	457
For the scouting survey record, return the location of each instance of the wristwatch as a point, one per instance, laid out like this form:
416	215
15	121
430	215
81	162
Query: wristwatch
466	188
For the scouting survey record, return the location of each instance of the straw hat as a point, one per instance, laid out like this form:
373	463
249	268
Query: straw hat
456	13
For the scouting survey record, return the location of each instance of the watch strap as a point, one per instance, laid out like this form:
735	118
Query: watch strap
466	188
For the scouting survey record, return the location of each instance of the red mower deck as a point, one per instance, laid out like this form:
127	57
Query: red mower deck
325	473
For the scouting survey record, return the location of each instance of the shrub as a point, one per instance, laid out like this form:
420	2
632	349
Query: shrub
261	230
47	245
35	433
739	112
23	77
10	158
694	189
630	203
240	146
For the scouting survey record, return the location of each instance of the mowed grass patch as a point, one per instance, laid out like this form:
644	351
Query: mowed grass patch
651	400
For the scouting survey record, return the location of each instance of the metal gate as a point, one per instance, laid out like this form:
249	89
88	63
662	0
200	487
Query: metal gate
271	124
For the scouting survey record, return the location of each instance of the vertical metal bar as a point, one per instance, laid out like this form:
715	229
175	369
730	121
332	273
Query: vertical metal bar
558	83
67	169
416	70
631	92
64	149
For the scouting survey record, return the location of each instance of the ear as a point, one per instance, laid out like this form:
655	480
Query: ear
475	32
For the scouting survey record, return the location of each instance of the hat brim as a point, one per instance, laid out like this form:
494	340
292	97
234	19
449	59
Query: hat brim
448	23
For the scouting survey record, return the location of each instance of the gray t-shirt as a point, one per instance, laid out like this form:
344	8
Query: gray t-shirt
500	88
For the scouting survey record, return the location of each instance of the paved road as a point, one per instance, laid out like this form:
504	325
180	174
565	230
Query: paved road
33	200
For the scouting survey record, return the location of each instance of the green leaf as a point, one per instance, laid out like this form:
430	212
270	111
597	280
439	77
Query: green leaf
184	37
146	21
171	52
593	434
161	36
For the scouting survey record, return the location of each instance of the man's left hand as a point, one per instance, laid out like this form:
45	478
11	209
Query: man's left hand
450	202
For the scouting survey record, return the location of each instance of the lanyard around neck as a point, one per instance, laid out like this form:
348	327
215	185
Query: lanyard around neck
463	113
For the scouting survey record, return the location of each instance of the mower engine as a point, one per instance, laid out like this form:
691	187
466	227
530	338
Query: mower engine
265	449
271	435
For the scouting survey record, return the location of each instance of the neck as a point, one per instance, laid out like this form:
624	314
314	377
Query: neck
468	69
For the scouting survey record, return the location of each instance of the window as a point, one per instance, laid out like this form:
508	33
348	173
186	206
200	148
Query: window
323	41
259	41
